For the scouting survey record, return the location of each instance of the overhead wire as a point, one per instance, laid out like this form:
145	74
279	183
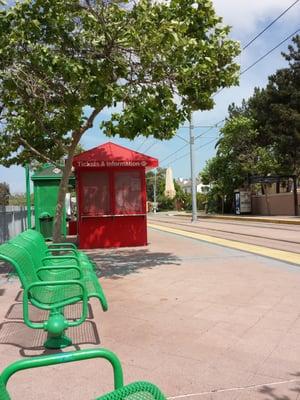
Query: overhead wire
241	73
198	148
259	34
197	137
142	144
269	52
208	130
175	152
269	25
151	145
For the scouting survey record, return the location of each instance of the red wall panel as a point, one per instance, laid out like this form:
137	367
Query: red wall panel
105	232
120	223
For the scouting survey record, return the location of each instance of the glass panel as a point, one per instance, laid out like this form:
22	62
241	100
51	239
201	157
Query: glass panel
95	193
128	194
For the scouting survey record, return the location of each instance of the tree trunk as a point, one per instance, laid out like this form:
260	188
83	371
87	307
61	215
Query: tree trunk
63	188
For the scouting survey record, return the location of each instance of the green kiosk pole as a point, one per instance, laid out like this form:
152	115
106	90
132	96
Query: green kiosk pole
28	197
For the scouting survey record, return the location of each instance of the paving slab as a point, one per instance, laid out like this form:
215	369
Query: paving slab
200	320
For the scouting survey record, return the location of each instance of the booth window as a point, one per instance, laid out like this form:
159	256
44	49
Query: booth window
128	196
95	193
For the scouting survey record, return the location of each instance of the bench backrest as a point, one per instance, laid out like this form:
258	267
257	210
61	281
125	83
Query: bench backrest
31	247
21	260
37	238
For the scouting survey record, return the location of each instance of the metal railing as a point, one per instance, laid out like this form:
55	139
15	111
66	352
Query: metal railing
13	220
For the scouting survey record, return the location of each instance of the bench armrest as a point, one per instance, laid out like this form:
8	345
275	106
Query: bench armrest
61	358
63	244
60	268
64	257
58	305
65	249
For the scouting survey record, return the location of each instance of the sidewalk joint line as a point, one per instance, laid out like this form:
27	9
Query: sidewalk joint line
233	389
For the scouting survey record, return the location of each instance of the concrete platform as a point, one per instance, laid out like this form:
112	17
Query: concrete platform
199	320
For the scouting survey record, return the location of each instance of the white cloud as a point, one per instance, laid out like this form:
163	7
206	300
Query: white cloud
245	15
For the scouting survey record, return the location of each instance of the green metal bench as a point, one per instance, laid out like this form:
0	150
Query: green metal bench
52	294
72	268
41	260
44	250
133	391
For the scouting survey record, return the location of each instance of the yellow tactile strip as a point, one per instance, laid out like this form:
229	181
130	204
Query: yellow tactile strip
281	255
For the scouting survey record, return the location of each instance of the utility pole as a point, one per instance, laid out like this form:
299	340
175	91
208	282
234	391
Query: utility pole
193	177
154	192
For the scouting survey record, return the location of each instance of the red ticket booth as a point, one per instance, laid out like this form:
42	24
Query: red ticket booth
111	196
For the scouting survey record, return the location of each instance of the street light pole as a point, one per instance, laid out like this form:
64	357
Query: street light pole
193	177
154	192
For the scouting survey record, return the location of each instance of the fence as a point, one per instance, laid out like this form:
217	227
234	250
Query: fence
13	220
280	204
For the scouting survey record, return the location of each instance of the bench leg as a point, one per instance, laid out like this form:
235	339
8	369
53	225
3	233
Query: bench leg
56	326
54	342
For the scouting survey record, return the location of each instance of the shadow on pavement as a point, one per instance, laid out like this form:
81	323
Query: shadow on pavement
5	269
73	311
17	334
116	263
270	392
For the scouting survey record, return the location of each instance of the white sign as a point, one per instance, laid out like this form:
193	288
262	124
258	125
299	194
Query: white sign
104	164
245	202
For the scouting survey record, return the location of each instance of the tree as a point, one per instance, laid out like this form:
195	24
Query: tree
4	194
262	136
158	181
238	156
62	62
20	199
276	112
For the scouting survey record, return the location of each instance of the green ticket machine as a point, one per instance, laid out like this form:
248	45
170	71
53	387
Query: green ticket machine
46	185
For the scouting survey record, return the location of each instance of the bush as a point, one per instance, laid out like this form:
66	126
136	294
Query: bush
201	201
165	203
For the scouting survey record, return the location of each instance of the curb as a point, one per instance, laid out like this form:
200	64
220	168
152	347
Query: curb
279	255
253	219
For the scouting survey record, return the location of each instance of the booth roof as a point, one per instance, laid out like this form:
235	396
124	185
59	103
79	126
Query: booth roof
49	172
113	155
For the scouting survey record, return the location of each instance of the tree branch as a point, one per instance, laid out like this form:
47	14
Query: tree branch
42	156
89	122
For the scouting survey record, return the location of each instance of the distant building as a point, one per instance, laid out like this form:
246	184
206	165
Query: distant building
186	185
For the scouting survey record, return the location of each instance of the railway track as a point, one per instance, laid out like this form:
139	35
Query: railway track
280	238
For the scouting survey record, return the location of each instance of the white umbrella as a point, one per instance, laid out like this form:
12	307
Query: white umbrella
169	188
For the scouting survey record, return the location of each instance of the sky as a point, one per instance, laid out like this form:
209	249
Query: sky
247	18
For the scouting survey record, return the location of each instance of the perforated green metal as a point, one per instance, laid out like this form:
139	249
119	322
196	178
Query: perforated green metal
3	392
31	268
52	294
59	358
135	391
39	261
52	249
39	240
